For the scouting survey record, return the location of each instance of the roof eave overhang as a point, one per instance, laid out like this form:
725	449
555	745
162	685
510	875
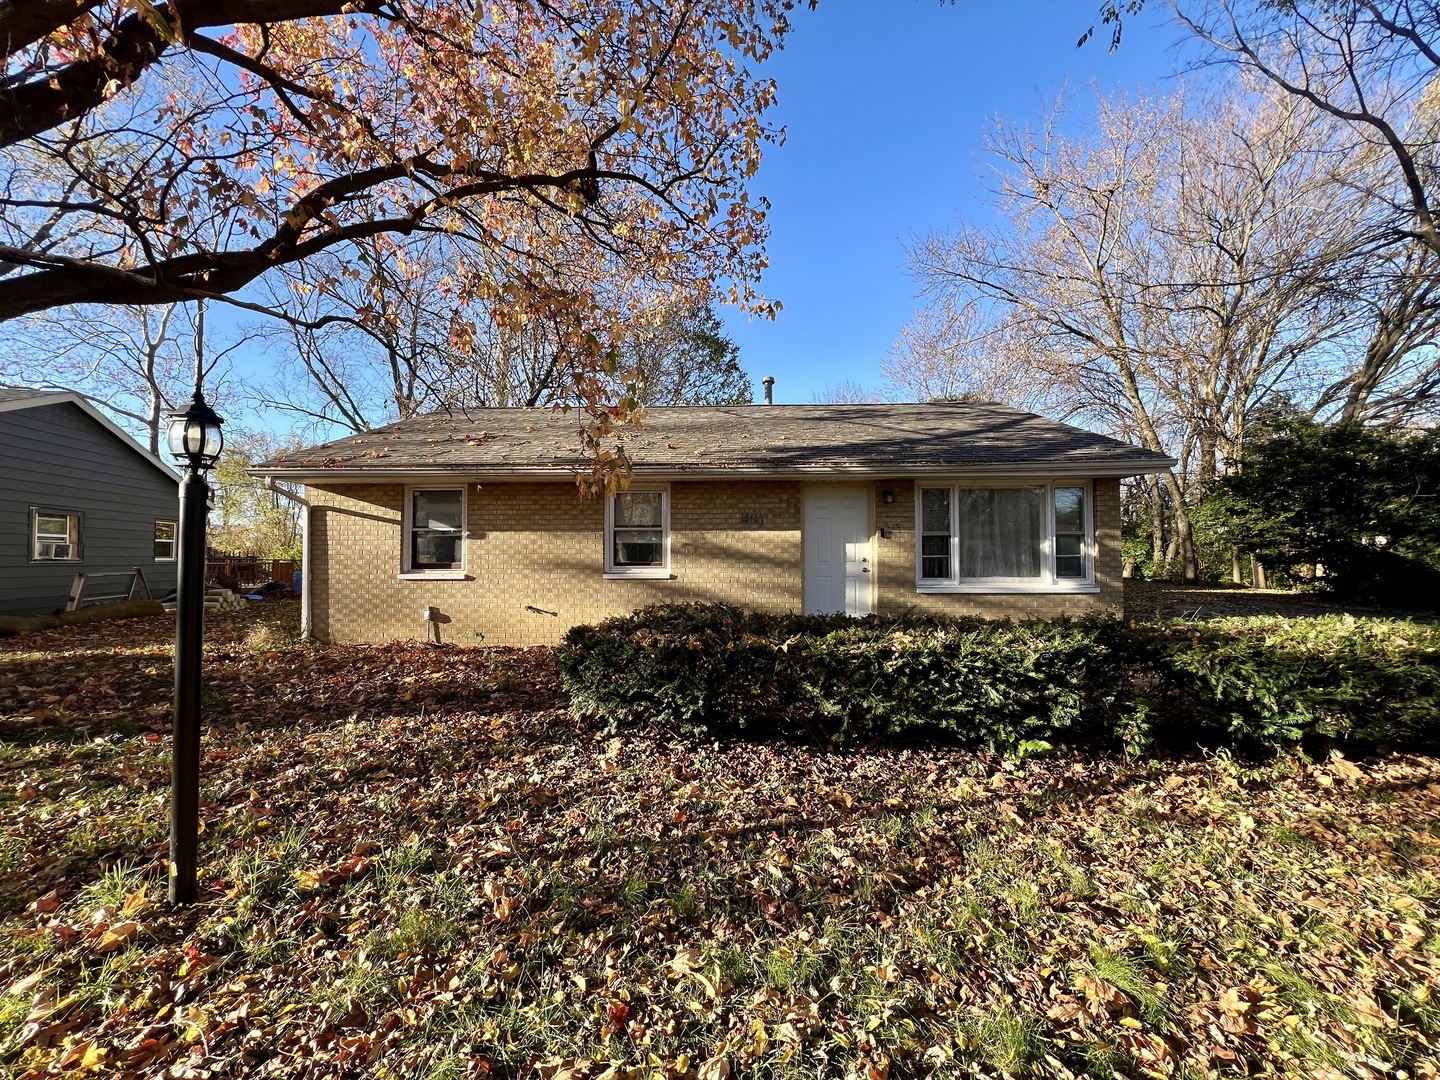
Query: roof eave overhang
471	473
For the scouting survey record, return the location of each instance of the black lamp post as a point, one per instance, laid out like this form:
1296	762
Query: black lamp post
195	439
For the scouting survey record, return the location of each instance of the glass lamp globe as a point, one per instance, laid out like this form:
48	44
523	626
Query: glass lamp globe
194	435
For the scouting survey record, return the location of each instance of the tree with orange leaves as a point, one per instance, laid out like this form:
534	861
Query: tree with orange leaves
580	157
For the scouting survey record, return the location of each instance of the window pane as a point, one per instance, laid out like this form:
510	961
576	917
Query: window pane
1070	510
935	510
164	549
935	556
437	510
164	530
1000	532
638	508
436	549
1070	555
1070	546
639	547
52	526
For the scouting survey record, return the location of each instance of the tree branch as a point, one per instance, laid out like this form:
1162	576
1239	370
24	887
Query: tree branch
75	89
59	280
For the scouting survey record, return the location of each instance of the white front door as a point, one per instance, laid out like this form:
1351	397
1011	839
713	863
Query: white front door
837	550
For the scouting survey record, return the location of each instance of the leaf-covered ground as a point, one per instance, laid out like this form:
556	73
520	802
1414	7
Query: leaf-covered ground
416	864
1167	600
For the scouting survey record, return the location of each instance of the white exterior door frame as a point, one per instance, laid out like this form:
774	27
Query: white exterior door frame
839	570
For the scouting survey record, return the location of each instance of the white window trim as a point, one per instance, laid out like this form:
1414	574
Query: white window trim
409	573
621	573
174	542
77	542
1047	583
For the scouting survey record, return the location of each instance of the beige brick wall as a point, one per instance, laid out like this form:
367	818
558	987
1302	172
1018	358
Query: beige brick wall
534	556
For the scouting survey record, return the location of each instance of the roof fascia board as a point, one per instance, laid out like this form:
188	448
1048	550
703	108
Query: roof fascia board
495	475
84	404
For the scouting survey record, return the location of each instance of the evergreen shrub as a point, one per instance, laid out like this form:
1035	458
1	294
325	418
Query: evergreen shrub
712	669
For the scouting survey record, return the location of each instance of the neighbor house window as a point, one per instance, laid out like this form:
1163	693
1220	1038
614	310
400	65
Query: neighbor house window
637	534
164	540
1004	537
54	536
435	531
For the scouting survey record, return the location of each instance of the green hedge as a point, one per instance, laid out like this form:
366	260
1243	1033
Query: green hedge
715	669
1276	680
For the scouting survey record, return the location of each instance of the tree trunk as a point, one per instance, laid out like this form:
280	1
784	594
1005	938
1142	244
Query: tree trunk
1237	572
152	422
1184	539
1157	522
1257	573
1205	465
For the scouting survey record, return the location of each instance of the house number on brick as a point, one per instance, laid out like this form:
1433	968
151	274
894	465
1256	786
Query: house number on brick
749	517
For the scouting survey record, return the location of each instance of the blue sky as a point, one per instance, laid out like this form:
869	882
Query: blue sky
885	102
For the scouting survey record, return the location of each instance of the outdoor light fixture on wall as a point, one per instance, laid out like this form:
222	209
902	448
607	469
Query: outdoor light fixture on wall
195	438
888	496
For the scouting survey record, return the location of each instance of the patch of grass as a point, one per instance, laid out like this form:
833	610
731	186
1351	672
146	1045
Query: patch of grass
416	932
267	871
119	882
1104	1060
1168	951
634	891
685	901
1008	1041
1128	975
1306	996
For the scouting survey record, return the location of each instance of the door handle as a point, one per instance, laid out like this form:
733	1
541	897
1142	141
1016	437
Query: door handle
865	569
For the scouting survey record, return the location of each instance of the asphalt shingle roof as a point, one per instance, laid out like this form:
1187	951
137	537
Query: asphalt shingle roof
766	439
23	393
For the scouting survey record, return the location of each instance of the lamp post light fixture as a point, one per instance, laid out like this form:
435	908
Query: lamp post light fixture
196	440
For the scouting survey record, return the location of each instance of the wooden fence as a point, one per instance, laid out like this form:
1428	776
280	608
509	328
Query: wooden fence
248	570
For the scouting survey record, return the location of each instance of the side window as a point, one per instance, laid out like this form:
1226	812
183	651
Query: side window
54	536
437	530
164	540
637	528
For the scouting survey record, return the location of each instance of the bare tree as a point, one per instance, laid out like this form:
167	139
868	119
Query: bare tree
685	358
1168	269
1393	376
1372	66
846	392
136	363
954	351
369	338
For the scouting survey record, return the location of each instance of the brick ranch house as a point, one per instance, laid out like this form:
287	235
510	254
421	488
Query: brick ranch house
943	508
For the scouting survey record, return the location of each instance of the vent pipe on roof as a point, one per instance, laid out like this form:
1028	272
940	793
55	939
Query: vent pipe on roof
769	383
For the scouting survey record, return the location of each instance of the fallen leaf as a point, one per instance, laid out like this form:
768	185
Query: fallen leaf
116	935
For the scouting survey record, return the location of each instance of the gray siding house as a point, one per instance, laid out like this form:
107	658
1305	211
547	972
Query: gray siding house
77	494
